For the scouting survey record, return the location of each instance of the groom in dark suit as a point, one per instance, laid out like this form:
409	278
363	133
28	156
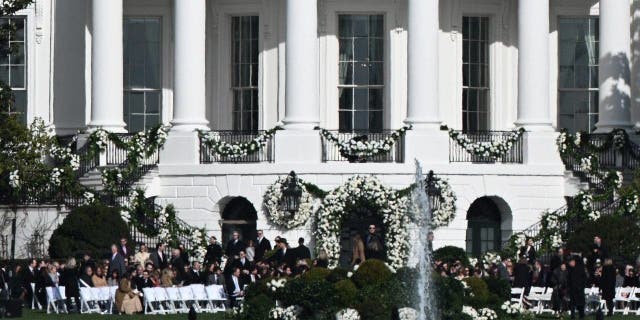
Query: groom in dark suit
117	262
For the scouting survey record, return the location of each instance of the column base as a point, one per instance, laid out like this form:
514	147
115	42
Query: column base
535	125
181	148
421	124
298	146
541	149
429	147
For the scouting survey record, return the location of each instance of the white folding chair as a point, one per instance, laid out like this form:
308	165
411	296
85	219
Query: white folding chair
534	297
216	296
634	301
544	301
104	299
592	299
112	297
151	301
56	300
176	300
88	303
34	299
188	299
622	299
164	301
516	295
200	296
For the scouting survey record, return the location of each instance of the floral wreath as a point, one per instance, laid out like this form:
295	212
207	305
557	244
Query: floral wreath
235	149
362	149
493	149
272	202
444	213
392	207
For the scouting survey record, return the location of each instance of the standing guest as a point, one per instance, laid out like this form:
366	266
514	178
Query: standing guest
598	252
250	250
116	263
430	238
178	265
70	282
87	261
29	278
158	257
503	272
15	284
99	279
302	251
559	278
358	250
214	252
528	251
285	254
522	274
557	259
127	301
234	246
142	256
85	278
608	284
373	244
123	249
262	246
184	255
577	280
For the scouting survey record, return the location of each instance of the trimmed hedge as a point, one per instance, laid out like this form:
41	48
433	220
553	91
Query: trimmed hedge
451	254
370	273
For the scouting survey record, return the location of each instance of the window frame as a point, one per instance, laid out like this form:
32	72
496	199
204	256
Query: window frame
484	64
28	112
232	77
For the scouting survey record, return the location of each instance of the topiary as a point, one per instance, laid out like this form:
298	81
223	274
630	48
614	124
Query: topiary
315	296
89	229
316	274
451	254
346	293
257	308
479	292
374	302
619	235
370	273
337	274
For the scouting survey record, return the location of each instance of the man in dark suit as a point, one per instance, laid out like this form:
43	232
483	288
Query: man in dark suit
216	278
158	257
124	249
235	287
214	252
196	275
302	251
116	262
29	277
374	248
177	265
286	254
263	245
235	245
503	273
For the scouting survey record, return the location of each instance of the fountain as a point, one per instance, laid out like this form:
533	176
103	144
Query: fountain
422	213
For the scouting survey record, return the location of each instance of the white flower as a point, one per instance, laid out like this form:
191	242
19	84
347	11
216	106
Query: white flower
348	314
279	313
407	314
14	179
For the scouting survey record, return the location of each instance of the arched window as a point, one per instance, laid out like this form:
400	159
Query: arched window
239	215
483	228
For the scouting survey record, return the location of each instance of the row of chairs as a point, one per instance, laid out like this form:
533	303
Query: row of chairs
156	300
625	301
538	297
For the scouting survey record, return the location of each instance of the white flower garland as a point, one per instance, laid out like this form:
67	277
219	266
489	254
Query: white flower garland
272	202
446	210
392	208
236	149
481	314
492	149
512	308
363	149
348	314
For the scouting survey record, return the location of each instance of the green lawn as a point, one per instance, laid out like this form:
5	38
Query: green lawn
39	315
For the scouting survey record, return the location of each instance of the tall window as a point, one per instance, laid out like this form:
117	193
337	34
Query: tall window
13	67
578	73
244	71
475	73
361	79
142	72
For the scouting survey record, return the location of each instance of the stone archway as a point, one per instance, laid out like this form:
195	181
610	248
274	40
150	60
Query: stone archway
488	223
357	223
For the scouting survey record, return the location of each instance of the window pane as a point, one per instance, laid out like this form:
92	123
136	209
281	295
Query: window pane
17	77
245	72
475	73
361	99
346	98
13	66
345	120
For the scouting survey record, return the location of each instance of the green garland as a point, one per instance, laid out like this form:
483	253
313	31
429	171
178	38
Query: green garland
216	146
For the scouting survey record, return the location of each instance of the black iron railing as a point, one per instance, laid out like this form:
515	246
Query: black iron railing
331	152
265	154
114	154
459	154
88	161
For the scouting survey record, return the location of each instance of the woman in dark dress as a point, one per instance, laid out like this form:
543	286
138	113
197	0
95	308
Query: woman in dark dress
608	284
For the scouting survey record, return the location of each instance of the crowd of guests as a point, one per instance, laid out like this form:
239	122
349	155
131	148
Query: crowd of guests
240	263
568	273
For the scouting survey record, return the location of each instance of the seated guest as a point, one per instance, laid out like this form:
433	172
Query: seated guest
216	277
114	280
85	277
127	301
99	279
142	256
195	275
167	279
155	278
235	287
52	279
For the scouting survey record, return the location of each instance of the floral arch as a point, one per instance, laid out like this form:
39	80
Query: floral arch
391	206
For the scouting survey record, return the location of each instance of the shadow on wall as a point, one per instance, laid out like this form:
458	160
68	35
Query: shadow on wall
616	68
635	61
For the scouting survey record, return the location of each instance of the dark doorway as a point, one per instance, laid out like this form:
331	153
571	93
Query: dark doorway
483	227
239	215
357	221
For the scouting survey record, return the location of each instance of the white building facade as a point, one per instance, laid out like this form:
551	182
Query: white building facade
358	66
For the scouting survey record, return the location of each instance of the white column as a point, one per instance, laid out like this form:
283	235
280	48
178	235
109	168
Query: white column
422	74
106	66
301	95
189	65
614	72
533	65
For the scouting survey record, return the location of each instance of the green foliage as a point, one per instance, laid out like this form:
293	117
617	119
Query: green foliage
500	288
449	297
337	274
315	296
257	308
346	293
370	273
90	229
316	274
479	291
620	234
451	254
375	302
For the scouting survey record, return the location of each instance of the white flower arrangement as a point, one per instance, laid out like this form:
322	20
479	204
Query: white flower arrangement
348	314
279	313
561	142
55	176
445	212
392	207
473	261
578	139
630	204
619	139
235	150
88	197
407	314
276	284
362	149
588	163
14	179
489	149
521	239
470	311
272	202
490	258
481	314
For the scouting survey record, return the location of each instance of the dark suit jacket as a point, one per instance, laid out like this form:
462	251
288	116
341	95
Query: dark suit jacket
178	267
129	250
116	262
262	247
234	248
247	265
230	287
214	253
303	252
194	277
289	257
158	262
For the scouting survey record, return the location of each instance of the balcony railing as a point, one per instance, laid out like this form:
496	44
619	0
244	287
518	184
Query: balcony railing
265	154
331	151
514	155
117	155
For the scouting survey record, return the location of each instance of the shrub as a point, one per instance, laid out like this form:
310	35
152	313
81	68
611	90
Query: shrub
316	274
451	254
315	296
374	302
257	308
449	296
619	236
370	273
479	292
499	287
337	274
88	229
346	293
